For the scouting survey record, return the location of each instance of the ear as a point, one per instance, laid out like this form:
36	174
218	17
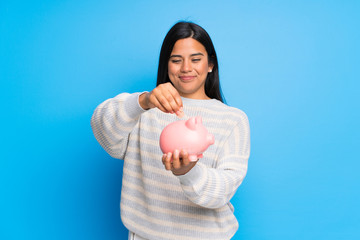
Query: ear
210	68
198	120
191	123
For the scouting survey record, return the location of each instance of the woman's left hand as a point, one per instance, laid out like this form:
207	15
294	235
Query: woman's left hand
178	162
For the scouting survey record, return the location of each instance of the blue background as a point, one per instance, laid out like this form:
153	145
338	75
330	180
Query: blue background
292	66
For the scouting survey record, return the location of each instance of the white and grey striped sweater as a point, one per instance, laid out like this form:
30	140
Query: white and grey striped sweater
156	204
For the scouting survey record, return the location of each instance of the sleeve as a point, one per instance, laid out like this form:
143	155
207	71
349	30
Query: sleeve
113	121
214	187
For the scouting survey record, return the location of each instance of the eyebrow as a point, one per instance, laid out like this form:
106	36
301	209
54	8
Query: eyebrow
194	54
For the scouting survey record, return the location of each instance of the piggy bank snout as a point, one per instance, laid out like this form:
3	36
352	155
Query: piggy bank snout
210	139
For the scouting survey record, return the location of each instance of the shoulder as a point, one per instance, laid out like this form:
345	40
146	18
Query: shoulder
229	112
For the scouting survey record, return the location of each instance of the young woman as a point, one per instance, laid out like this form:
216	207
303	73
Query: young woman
166	196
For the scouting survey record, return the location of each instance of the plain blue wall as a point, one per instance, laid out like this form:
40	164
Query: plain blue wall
292	66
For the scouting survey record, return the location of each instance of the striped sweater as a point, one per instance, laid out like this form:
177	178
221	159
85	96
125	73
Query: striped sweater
156	204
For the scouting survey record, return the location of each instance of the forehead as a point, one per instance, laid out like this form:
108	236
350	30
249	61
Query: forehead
188	46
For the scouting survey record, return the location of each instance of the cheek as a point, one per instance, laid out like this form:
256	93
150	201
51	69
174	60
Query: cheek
172	70
170	73
204	68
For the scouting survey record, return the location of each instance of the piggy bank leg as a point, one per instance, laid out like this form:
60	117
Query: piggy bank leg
193	158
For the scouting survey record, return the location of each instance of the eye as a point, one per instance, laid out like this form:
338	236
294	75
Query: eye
196	60
175	61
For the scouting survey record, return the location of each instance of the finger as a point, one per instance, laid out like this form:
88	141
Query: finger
185	157
180	113
155	103
168	98
176	97
175	100
176	159
160	106
168	102
167	161
158	99
173	104
163	158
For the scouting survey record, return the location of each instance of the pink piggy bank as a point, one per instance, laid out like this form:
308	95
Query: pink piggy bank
189	135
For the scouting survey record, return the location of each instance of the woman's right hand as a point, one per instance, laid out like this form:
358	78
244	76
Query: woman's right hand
165	97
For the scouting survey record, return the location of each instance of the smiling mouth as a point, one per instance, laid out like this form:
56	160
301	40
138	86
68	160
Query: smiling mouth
186	78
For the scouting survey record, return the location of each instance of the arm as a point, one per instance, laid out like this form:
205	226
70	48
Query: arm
214	187
113	120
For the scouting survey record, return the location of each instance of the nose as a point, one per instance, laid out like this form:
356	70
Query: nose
186	66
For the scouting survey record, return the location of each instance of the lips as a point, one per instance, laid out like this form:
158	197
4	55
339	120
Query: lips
186	78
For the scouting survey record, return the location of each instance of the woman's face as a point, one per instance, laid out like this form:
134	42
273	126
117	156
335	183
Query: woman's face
188	68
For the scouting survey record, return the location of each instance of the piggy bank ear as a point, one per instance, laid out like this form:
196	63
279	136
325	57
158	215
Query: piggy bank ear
198	120
191	123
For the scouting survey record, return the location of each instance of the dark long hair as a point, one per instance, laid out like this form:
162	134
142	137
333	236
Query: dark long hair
183	30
